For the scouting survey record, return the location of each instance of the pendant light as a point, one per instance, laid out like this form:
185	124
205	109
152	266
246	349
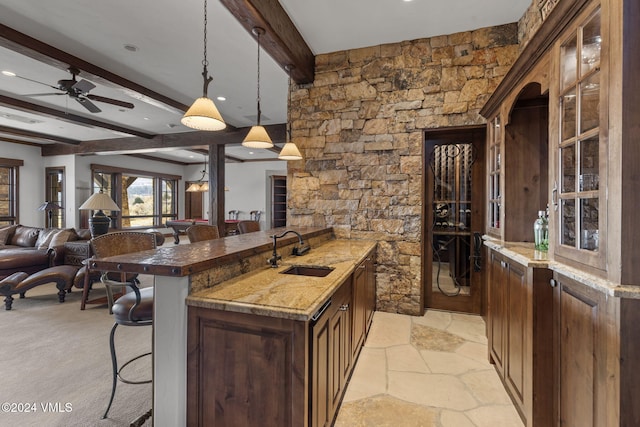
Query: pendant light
257	136
203	114
201	185
290	150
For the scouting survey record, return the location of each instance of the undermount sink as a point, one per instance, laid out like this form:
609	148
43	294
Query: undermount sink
308	270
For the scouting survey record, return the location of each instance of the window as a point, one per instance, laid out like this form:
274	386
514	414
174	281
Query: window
9	190
146	199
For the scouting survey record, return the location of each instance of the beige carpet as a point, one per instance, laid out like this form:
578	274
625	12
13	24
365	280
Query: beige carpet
56	364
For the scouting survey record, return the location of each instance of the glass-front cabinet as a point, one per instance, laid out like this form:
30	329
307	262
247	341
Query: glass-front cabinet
495	195
578	186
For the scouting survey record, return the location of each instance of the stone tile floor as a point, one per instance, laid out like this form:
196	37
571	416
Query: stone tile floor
426	371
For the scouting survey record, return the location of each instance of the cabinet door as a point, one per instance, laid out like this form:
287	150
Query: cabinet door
517	331
331	357
581	150
358	311
340	354
497	300
370	292
321	375
580	353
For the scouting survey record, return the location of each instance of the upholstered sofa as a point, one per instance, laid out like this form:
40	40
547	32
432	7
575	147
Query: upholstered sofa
32	249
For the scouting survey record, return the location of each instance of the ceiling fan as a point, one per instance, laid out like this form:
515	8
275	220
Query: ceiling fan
79	90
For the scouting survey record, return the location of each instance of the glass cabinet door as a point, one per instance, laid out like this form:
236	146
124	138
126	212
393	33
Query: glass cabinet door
495	138
579	146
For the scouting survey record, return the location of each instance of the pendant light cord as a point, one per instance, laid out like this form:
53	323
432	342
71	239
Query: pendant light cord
288	69
258	32
205	63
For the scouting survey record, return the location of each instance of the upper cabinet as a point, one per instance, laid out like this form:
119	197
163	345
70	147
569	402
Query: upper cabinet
578	77
580	142
518	152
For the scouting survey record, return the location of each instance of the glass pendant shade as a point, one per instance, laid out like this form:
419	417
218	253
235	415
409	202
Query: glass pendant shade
193	188
204	186
203	115
290	152
257	138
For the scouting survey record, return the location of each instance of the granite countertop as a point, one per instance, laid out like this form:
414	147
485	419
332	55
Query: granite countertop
184	260
525	254
268	292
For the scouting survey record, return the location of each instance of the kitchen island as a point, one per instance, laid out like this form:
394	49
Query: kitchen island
228	280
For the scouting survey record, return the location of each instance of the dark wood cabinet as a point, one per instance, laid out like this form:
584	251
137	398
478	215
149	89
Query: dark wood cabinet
596	344
580	354
330	357
519	335
244	369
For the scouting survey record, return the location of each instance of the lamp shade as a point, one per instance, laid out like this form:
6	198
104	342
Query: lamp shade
203	115
194	187
49	206
99	201
290	152
257	138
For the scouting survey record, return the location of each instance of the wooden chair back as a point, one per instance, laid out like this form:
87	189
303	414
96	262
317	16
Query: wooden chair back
200	232
248	226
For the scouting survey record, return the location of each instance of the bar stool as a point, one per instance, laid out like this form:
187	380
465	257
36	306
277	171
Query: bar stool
131	309
200	232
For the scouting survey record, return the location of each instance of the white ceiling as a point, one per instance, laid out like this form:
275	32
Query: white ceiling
168	35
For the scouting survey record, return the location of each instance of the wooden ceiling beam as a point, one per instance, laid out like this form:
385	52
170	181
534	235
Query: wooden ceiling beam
21	43
41	136
67	117
281	40
183	139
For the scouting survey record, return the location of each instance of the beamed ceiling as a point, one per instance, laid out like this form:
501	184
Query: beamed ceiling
148	53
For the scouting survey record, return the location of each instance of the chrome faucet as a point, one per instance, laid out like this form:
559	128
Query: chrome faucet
297	250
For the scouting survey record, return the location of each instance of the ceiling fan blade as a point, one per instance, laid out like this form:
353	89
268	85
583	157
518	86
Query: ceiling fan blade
112	101
44	94
88	104
36	81
83	86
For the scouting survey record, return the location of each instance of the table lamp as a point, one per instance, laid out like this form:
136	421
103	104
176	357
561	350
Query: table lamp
99	222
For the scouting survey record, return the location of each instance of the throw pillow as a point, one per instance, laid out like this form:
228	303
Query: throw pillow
45	237
61	237
5	232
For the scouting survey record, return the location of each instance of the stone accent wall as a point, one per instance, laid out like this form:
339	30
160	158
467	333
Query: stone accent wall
533	18
360	128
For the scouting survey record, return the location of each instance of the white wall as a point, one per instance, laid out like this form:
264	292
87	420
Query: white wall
247	184
31	192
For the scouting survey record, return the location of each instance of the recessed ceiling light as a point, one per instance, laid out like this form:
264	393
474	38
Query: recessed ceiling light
221	98
250	152
131	47
9	73
146	118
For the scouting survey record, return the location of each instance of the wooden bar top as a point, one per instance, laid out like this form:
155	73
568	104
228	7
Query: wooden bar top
184	260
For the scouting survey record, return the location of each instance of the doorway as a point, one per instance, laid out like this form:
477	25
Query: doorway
453	219
193	204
